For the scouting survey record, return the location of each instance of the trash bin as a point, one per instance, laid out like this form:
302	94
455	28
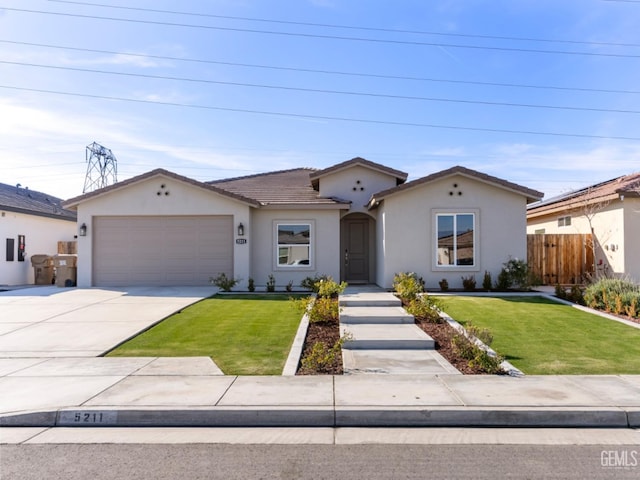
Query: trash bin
66	270
42	269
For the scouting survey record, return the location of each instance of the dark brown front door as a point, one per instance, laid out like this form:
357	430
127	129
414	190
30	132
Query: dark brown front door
355	250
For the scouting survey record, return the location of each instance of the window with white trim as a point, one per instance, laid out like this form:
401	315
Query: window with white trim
294	244
456	242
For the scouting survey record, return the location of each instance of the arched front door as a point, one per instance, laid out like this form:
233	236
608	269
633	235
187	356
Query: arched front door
357	245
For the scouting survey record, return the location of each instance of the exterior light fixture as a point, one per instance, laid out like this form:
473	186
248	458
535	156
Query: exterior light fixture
240	230
83	230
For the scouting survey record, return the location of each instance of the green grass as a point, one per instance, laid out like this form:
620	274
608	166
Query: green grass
244	335
542	337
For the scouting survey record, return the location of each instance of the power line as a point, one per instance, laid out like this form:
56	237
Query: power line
327	91
348	27
327	37
320	117
326	72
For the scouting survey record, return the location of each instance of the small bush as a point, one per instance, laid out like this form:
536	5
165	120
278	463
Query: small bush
487	282
324	309
514	273
289	287
487	362
408	286
484	335
576	295
444	285
561	292
424	308
477	356
613	295
251	285
223	282
321	358
469	283
311	283
327	287
271	283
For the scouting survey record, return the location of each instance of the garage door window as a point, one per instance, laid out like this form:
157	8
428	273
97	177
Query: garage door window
293	245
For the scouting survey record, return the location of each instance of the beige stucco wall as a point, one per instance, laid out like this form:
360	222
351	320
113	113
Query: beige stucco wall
42	235
325	245
632	237
365	181
406	230
612	253
143	199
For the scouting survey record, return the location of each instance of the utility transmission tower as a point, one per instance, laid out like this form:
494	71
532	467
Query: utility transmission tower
102	168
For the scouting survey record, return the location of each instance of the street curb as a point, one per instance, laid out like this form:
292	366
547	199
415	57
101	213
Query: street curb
516	417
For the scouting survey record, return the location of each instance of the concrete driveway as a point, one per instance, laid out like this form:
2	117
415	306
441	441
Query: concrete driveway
50	321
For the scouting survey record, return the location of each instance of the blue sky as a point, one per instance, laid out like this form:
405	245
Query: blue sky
543	93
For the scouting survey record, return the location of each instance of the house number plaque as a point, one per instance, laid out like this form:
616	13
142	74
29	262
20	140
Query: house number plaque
241	241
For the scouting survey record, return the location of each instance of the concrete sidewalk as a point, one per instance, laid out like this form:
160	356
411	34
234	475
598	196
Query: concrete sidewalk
135	392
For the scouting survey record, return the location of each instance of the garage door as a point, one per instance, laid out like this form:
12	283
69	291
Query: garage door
180	250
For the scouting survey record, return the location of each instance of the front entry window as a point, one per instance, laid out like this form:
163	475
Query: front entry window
456	239
294	244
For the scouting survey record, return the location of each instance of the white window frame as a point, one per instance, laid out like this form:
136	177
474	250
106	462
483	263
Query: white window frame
311	246
476	248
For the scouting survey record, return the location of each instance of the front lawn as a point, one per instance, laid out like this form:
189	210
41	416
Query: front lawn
542	337
243	334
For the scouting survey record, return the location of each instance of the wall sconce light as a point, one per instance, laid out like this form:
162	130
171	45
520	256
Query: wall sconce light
240	230
622	197
83	230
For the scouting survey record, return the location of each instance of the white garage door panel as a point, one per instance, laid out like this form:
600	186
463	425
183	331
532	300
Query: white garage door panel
161	250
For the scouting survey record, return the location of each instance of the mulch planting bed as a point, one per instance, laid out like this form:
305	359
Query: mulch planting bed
329	333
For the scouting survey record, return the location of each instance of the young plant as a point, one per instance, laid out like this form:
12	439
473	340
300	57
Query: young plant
251	285
424	308
289	287
408	286
469	283
444	285
223	282
327	287
271	283
487	282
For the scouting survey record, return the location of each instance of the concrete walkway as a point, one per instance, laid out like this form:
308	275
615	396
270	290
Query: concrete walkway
383	337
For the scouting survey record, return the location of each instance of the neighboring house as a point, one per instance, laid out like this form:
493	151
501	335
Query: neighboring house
30	223
357	221
611	209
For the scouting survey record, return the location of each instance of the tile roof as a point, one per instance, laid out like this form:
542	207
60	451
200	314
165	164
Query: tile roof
531	195
31	202
285	187
400	176
73	202
628	185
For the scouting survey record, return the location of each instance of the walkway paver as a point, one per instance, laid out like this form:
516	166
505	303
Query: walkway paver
381	337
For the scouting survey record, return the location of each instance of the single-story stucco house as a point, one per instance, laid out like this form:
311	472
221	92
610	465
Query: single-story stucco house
31	222
609	210
357	221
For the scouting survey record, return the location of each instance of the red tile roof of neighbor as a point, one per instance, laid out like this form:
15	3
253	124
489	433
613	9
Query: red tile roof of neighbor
627	185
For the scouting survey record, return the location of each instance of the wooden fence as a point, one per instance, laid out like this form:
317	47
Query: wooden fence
560	258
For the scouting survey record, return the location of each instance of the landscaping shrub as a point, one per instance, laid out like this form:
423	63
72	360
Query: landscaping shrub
328	288
469	283
251	285
271	283
424	308
311	283
487	282
223	282
514	273
477	356
444	285
289	286
321	357
408	286
322	309
614	295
